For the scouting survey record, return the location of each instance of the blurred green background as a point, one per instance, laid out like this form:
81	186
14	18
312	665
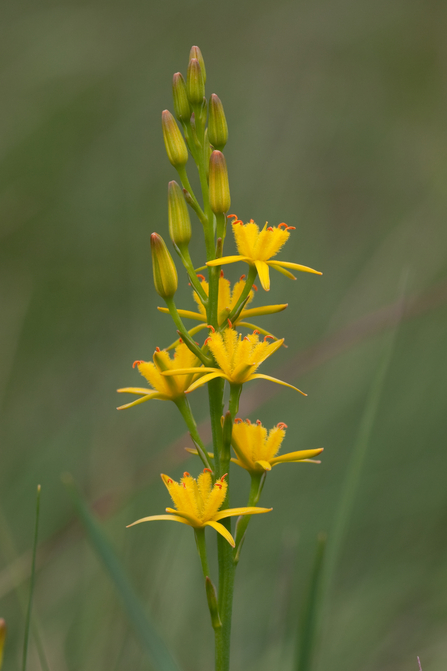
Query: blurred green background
336	110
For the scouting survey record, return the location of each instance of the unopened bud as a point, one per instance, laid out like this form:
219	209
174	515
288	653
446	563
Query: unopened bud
174	142
196	53
2	639
220	200
211	596
182	107
217	124
179	221
165	273
195	83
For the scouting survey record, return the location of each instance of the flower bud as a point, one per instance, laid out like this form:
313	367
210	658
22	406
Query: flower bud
179	221
220	200
195	84
217	124
174	142
196	53
182	107
2	639
165	273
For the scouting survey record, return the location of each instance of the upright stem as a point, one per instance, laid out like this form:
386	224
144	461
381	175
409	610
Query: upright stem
182	404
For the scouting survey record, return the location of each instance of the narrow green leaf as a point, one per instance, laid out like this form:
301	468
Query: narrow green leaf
154	646
32	581
307	629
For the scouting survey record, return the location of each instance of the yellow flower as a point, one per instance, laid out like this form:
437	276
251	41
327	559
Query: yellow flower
164	388
227	299
258	247
238	359
256	449
197	503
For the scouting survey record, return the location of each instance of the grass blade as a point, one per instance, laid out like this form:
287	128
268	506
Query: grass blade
33	576
307	630
154	646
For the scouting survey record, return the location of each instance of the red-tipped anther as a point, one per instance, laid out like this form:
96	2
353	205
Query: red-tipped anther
291	228
223	477
209	338
242	277
186	474
269	336
283	224
180	340
252	221
248	421
218	484
189	284
238	420
170	481
183	485
281	425
207	470
230	324
238	222
136	363
255	287
270	228
246	338
232	215
201	277
258	422
256	332
213	330
221	273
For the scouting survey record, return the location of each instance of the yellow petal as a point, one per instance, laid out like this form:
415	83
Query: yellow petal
260	376
235	512
296	456
283	271
295	266
142	391
186	314
222	531
174	518
193	521
203	380
192	450
264	274
264	464
142	399
187	371
263	310
226	259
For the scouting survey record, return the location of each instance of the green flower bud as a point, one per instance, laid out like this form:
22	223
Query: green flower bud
196	53
182	107
179	221
220	200
174	142
217	124
165	273
195	84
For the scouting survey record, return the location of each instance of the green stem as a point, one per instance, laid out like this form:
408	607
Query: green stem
182	404
184	333
248	286
193	201
187	262
257	483
201	547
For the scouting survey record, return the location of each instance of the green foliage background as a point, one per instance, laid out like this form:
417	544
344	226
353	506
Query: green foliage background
336	110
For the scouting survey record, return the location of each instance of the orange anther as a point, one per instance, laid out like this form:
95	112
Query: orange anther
270	228
186	474
258	422
180	340
230	324
223	477
136	363
283	224
183	485
246	338
207	470
252	221
232	215
281	425
221	273
170	481
157	349
255	287
291	228
201	277
242	277
269	336
238	420
209	338
256	332
248	421
218	484
213	330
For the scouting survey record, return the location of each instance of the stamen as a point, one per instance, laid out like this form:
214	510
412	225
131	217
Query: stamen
137	363
180	340
255	287
207	470
281	425
291	228
209	338
248	421
269	336
218	484
230	324
186	474
238	420
242	277
258	422
252	221
221	273
223	477
246	338
232	215
270	228
157	349
170	481
201	277
213	330
256	332
283	224
183	485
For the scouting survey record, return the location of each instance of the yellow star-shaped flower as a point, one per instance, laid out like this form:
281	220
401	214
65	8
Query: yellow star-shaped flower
197	503
257	248
227	300
256	449
164	388
238	359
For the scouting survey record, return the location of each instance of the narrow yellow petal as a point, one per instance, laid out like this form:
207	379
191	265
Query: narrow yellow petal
192	450
174	518
296	456
264	464
235	512
294	266
141	391
142	399
203	380
222	531
186	314
187	371
260	376
264	274
193	521
263	310
226	259
283	271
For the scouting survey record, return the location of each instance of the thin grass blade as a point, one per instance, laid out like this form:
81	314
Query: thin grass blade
155	648
32	580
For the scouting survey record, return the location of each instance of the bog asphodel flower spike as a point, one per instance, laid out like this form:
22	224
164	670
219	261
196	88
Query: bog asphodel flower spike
256	449
257	248
238	359
164	388
197	503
